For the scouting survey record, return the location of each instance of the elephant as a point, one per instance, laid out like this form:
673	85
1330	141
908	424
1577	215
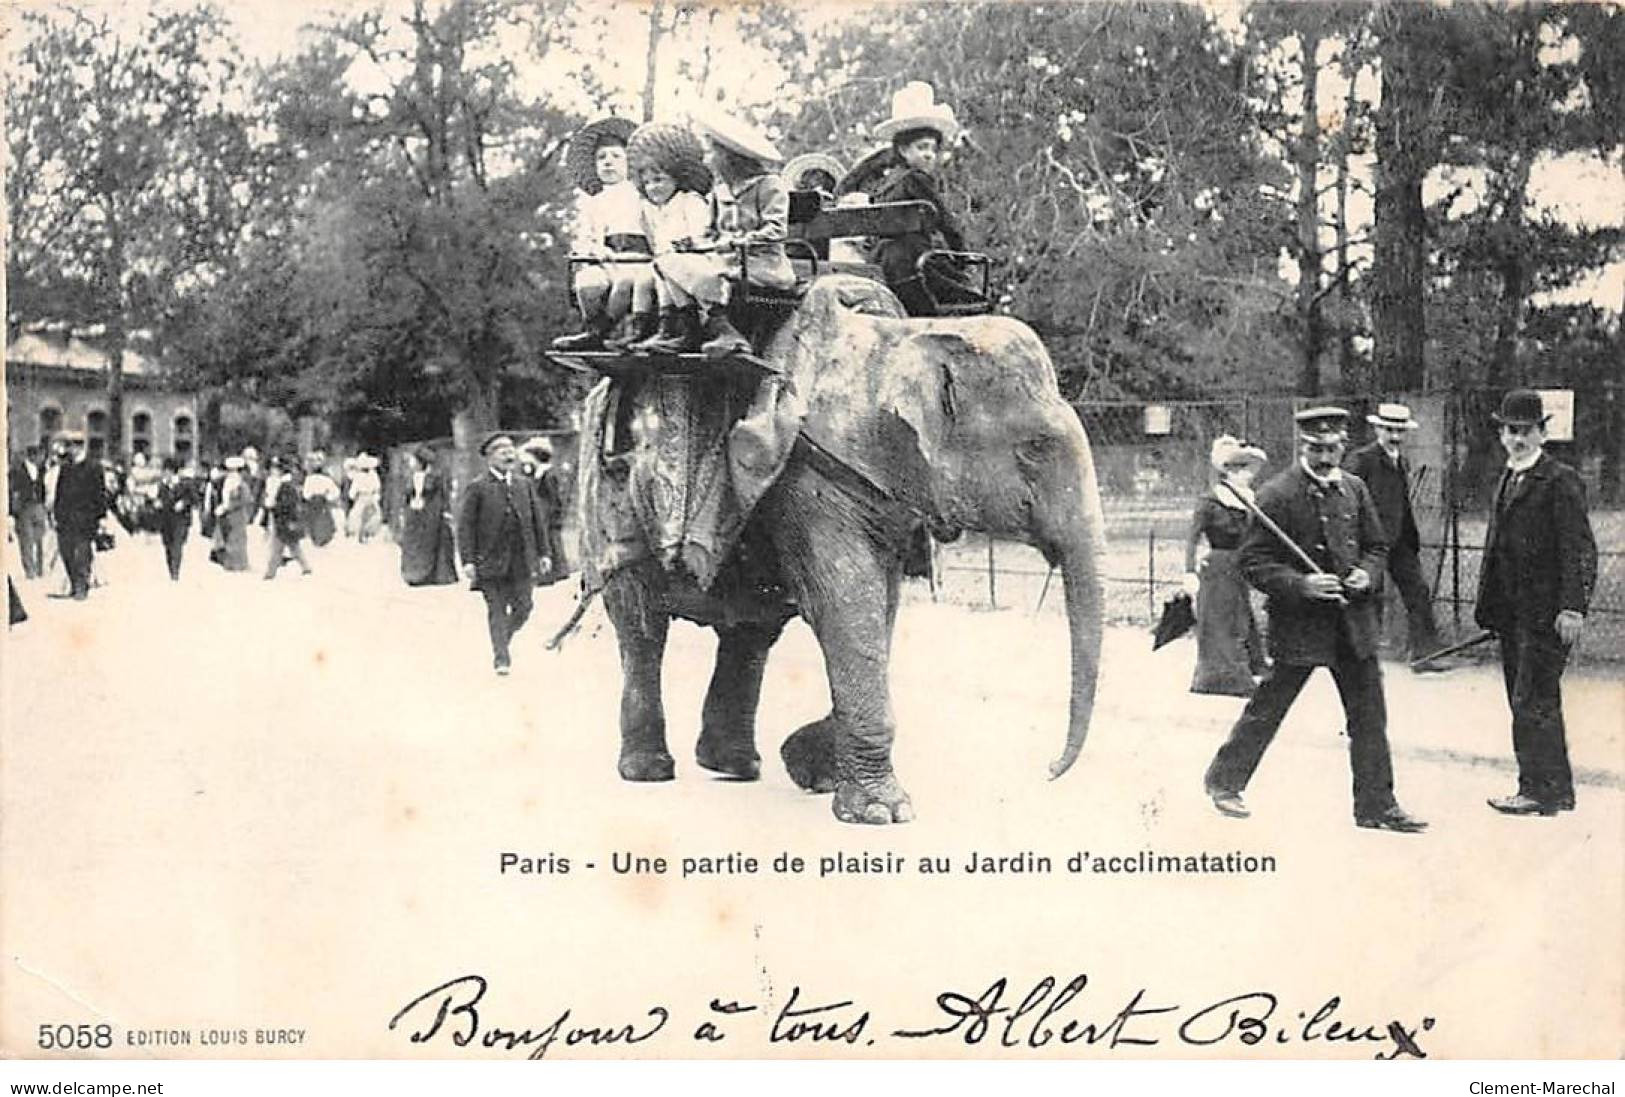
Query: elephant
874	427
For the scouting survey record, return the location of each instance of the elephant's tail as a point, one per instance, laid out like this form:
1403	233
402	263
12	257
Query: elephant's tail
574	622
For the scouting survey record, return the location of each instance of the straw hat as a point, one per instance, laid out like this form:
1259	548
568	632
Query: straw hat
580	159
1397	416
540	447
914	107
674	150
1228	451
809	162
741	137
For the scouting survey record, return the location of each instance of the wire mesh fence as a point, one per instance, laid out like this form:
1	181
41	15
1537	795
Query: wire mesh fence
1152	466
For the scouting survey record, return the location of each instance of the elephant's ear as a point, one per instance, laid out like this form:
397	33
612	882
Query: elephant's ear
920	389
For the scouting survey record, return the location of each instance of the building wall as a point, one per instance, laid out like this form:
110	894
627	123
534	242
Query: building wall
157	421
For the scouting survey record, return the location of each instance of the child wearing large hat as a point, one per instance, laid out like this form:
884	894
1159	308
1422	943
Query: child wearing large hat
668	167
918	129
609	226
754	214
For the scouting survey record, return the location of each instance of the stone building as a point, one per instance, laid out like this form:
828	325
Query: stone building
56	379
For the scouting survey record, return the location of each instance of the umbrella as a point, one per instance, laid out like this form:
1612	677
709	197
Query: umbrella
1177	619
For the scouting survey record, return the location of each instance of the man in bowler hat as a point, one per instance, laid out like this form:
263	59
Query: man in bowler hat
500	532
1540	567
1382	466
1319	617
81	500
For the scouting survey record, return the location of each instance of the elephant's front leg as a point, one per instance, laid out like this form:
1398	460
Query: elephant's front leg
641	629
853	627
728	736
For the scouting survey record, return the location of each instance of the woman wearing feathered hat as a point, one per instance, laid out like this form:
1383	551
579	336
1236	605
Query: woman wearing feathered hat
608	226
755	213
918	129
1229	648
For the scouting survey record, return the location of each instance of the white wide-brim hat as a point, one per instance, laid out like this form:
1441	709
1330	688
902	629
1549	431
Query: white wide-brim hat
1229	451
914	107
741	137
810	162
1397	416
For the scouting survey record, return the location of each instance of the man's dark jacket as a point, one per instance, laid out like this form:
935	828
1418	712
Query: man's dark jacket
1304	631
489	508
81	498
1390	489
1540	556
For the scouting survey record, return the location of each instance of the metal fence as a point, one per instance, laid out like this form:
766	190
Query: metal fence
1152	464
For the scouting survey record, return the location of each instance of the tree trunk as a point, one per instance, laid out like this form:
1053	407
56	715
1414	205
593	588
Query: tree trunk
1353	376
1306	155
1397	299
652	58
113	305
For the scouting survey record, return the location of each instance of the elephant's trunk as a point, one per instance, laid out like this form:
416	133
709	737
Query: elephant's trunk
1081	548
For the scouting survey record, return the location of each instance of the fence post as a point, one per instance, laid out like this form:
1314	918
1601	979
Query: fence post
1151	572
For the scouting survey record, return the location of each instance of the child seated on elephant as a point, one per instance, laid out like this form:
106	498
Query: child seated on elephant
668	166
609	231
755	213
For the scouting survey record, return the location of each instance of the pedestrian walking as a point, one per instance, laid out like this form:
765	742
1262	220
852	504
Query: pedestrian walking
1320	616
81	501
26	504
499	531
428	552
1229	648
1535	585
287	520
173	505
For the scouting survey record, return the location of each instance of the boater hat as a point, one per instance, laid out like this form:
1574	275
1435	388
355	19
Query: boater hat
739	136
1521	408
1322	424
580	159
674	150
1397	416
809	162
914	107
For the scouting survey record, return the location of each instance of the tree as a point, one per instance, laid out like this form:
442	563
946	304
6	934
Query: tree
128	170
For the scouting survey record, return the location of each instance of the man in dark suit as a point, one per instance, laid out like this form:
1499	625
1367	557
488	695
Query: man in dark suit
1323	616
1386	473
1540	567
81	500
26	505
500	531
174	506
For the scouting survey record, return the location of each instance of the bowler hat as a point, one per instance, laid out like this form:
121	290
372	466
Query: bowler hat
1521	408
1322	424
1397	416
581	158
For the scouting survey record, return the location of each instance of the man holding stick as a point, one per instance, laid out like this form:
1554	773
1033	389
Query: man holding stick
1317	550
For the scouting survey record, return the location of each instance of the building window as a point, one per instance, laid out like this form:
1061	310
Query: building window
96	434
50	423
183	439
141	433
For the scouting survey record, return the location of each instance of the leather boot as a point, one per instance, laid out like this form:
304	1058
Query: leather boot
592	337
664	328
685	336
645	325
721	337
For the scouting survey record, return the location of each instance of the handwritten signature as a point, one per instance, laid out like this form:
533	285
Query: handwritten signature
1049	1013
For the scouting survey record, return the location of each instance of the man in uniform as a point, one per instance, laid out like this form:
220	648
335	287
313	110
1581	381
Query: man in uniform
1382	465
1540	567
500	531
1323	616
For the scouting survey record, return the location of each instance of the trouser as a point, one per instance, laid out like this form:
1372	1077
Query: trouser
1405	568
174	545
76	560
1532	663
507	607
1359	684
31	525
278	547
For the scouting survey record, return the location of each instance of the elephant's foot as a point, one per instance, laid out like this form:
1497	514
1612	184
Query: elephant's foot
873	801
731	759
647	765
809	756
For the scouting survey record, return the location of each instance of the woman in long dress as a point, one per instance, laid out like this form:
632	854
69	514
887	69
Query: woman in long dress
232	515
366	514
427	550
1229	649
321	494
